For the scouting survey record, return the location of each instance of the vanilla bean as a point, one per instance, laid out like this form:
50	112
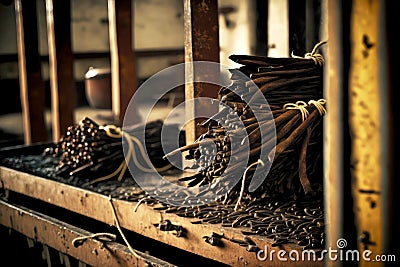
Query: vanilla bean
267	60
283	131
287	82
288	72
303	163
294	136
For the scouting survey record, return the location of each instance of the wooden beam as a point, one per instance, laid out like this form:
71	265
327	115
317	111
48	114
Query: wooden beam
63	95
370	125
201	44
30	75
333	124
141	219
123	68
59	235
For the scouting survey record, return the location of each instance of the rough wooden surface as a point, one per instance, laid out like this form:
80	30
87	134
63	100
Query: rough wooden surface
333	126
201	44
142	221
63	96
59	235
369	125
123	68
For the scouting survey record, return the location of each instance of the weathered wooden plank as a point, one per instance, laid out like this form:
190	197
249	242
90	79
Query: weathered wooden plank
63	96
30	75
368	113
201	44
59	235
142	221
123	69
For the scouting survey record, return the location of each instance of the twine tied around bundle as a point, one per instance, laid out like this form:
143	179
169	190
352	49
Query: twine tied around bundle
317	58
116	132
302	107
259	161
319	104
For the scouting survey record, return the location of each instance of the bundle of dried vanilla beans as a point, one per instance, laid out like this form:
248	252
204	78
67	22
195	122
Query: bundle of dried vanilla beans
293	88
95	152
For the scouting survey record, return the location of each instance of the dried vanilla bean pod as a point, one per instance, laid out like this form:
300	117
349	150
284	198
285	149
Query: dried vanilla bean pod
289	72
262	80
285	129
294	136
214	119
303	163
268	87
265	60
296	64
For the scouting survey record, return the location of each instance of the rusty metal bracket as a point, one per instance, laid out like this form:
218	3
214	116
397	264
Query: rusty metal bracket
214	239
166	225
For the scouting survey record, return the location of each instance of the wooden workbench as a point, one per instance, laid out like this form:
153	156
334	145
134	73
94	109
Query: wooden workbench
133	218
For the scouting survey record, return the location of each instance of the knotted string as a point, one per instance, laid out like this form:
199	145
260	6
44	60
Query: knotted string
244	181
317	58
301	106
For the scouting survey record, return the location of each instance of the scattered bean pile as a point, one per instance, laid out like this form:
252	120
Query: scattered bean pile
283	220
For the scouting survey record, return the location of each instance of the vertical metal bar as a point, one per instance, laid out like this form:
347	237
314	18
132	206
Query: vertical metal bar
201	44
123	69
369	126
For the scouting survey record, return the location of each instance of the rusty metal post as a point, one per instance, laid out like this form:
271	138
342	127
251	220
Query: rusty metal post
201	44
333	123
370	126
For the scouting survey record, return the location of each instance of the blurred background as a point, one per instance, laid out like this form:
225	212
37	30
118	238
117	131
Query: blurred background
158	30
